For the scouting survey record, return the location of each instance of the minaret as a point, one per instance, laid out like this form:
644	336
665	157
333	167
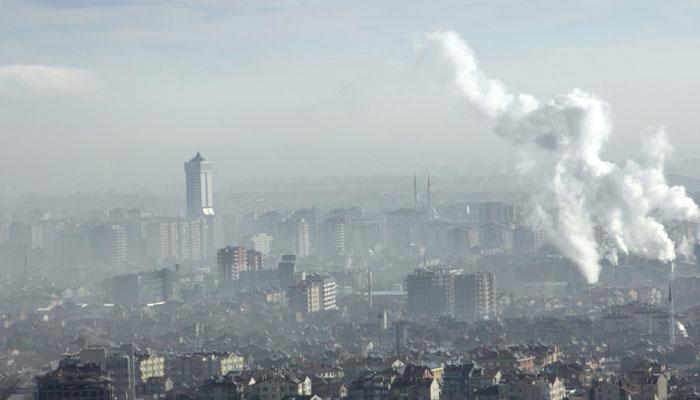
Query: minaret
672	316
26	265
398	339
415	192
400	327
379	334
369	288
430	209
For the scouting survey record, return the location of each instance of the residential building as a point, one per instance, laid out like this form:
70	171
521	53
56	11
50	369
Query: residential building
118	362
230	262
149	366
333	236
198	367
315	293
286	270
74	382
295	237
144	287
369	387
414	389
233	260
431	290
475	296
262	243
537	388
275	386
107	244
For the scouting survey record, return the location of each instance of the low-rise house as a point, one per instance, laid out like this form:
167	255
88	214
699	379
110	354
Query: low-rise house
155	386
414	389
369	387
275	386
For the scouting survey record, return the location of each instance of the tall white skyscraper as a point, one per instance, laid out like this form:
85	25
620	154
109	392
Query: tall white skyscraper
199	190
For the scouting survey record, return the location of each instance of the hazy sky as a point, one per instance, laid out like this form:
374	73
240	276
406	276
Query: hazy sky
97	95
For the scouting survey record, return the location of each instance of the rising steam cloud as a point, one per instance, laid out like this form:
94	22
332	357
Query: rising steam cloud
590	208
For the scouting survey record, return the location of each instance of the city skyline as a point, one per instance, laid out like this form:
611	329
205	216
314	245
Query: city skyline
349	200
292	89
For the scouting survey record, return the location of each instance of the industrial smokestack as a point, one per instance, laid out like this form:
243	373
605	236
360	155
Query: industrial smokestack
575	192
671	311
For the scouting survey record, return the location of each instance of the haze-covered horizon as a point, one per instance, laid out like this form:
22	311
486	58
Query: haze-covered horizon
349	200
117	95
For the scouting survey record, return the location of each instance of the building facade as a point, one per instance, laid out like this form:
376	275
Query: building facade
313	294
74	382
198	181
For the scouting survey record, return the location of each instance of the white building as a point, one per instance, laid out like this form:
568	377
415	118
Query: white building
262	242
199	187
149	366
537	388
198	367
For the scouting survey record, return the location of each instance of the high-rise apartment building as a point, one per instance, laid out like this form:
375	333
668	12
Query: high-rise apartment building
475	296
333	238
285	270
492	212
232	260
198	173
107	244
162	240
295	237
431	290
443	290
194	239
253	260
144	287
261	242
313	294
309	216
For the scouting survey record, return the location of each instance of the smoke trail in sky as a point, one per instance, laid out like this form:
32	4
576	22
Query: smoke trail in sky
590	208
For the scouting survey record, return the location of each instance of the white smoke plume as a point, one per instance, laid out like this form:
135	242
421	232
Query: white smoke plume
590	208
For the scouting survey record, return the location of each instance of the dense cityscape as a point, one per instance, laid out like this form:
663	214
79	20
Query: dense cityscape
433	298
349	200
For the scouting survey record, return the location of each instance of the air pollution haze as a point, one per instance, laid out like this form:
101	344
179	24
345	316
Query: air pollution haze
590	208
